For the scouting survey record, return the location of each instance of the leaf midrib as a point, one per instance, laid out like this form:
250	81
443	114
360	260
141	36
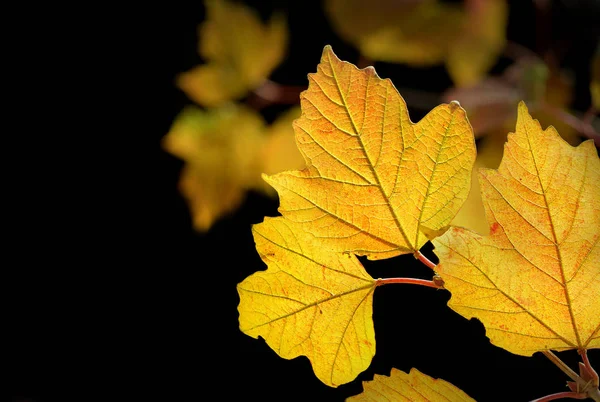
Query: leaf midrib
555	239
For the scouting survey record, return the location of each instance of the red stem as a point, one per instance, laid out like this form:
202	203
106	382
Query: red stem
561	395
413	281
424	260
584	127
589	367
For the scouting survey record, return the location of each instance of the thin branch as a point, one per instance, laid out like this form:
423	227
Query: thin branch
424	260
585	126
561	395
270	92
412	281
579	383
516	51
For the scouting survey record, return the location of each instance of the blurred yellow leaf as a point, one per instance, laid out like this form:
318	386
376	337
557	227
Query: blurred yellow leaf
226	150
375	184
481	41
534	282
219	147
309	302
425	32
240	52
280	151
412	387
595	80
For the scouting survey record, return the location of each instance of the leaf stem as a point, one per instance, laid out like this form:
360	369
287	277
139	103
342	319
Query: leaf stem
561	365
561	395
588	366
424	260
413	281
579	383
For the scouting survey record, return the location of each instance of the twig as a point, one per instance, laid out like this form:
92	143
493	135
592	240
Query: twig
561	395
583	126
271	92
413	281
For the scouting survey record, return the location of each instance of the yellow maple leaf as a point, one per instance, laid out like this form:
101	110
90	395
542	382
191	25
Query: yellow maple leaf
240	51
534	282
225	150
416	33
375	184
309	302
425	32
219	148
412	387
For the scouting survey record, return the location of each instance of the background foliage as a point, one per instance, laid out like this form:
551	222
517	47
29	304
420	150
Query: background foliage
166	325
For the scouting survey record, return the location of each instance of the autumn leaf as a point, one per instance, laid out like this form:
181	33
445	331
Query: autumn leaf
412	387
219	147
423	33
535	281
309	302
416	33
375	184
225	151
240	52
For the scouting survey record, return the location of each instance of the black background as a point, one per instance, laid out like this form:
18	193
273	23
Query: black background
150	313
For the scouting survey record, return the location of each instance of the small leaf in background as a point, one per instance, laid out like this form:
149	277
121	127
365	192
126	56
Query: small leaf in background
219	147
412	387
534	282
480	43
412	32
239	50
427	32
309	302
375	184
226	150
